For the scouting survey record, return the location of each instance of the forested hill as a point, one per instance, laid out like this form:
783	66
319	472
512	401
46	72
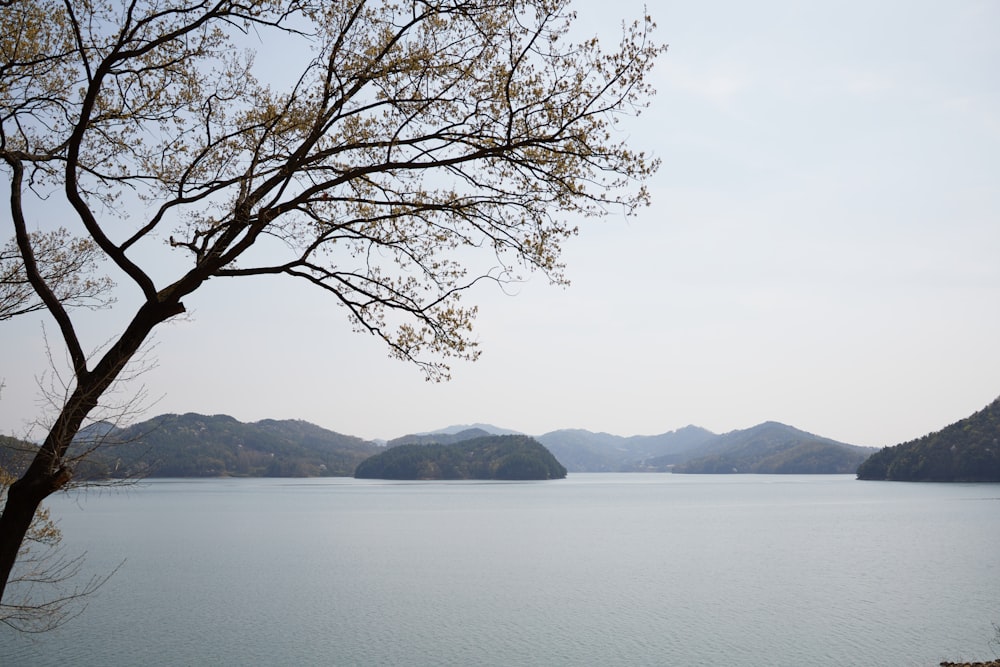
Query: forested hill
193	445
503	457
966	451
15	454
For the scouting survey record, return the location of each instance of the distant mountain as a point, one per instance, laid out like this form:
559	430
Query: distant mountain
439	437
772	448
766	448
503	457
966	451
585	451
193	445
96	432
488	428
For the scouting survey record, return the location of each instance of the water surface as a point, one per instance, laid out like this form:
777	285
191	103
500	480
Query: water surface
597	569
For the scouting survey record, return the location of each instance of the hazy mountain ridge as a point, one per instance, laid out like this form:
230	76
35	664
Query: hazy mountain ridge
194	445
443	437
768	448
966	451
774	448
488	428
585	451
581	450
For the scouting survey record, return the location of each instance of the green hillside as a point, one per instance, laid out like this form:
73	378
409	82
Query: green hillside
15	454
193	445
966	451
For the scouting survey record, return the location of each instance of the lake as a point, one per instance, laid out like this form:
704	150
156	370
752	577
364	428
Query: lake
596	569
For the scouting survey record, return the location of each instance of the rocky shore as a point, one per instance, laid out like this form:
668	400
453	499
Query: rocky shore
991	663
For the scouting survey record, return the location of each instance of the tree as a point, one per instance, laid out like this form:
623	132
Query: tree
421	147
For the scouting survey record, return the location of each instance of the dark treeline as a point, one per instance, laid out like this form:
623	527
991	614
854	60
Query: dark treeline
502	457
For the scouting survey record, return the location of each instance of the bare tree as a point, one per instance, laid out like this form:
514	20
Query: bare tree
420	147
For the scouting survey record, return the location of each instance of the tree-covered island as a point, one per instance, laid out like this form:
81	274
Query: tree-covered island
502	457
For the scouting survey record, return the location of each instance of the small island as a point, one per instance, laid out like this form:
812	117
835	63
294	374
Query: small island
496	457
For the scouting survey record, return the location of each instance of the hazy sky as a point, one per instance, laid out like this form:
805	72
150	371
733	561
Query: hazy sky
823	250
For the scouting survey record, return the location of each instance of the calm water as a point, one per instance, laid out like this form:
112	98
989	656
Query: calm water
597	569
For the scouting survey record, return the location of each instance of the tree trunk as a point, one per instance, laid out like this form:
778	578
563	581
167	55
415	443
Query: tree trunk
48	472
45	476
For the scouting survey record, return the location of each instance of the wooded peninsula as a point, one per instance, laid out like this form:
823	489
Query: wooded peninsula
966	451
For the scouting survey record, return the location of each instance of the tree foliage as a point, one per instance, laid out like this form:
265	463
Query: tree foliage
413	130
409	151
68	265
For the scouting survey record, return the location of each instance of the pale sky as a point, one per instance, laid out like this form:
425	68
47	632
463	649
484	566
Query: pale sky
823	250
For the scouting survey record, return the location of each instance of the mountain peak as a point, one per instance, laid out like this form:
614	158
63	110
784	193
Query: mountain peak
458	428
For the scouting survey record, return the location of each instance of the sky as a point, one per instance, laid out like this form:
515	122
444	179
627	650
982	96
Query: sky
822	250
